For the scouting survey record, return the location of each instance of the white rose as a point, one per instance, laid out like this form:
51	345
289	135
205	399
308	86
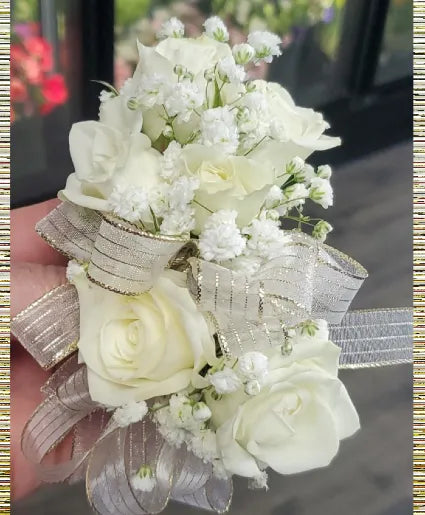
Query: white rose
300	129
97	150
161	60
182	51
102	162
140	347
227	183
115	113
297	420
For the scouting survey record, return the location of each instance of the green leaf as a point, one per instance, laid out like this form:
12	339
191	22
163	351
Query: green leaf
107	85
309	327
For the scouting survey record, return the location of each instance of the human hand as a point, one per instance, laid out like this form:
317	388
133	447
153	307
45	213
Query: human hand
35	269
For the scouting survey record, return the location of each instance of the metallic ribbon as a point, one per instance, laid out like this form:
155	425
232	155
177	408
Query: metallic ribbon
122	258
374	338
49	328
311	280
108	455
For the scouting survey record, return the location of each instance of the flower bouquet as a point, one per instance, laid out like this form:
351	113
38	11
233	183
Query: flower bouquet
201	330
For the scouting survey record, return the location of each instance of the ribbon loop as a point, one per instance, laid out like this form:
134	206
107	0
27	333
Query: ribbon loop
128	260
122	258
49	328
71	230
53	420
310	280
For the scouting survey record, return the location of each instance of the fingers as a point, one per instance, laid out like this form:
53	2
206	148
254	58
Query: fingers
30	281
26	245
35	270
26	380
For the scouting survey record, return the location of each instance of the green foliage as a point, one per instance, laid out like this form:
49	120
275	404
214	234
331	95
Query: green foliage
25	10
276	15
127	11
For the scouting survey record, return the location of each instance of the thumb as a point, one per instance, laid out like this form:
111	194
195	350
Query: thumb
30	281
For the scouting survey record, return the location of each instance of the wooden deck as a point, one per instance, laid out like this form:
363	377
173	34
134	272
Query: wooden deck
372	473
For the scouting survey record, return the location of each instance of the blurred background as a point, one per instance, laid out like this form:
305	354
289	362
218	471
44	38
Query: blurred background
350	59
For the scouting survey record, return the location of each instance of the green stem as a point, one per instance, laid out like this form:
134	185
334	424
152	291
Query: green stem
155	220
292	200
256	145
106	84
298	220
192	137
206	95
217	97
141	225
201	205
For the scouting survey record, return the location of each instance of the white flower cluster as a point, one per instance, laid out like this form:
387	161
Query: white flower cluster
218	128
266	45
172	28
250	370
144	480
167	205
173	206
221	238
130	413
128	202
265	239
215	29
243	249
184	420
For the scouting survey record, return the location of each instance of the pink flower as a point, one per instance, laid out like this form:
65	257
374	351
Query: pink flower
41	50
54	91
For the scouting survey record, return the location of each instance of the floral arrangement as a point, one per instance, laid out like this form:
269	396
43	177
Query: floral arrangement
34	87
209	337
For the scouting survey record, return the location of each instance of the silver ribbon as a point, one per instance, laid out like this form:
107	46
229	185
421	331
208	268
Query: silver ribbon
311	280
374	338
49	328
122	258
71	230
108	456
127	260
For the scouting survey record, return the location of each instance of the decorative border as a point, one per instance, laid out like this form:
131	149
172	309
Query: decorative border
419	259
4	257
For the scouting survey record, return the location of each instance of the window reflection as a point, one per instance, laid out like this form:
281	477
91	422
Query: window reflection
310	32
396	59
45	92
